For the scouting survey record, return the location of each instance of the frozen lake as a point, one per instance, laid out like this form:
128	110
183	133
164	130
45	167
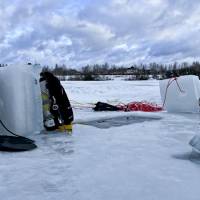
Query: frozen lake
150	160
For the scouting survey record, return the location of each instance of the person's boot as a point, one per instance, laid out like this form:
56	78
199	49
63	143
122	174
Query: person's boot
65	128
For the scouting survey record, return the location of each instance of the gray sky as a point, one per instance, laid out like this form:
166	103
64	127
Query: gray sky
76	32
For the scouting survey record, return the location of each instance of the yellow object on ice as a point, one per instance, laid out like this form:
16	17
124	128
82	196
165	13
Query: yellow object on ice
65	128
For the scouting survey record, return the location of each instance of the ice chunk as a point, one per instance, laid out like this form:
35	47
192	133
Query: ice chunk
20	99
182	94
195	143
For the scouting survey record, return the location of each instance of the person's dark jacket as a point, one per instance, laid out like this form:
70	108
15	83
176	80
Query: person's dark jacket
59	97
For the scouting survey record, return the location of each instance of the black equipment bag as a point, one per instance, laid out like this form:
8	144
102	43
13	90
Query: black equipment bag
14	144
100	106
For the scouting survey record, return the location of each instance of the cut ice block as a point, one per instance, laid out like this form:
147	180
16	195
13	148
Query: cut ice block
20	99
182	95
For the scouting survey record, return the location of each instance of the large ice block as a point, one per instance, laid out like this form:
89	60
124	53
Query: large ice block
20	99
182	95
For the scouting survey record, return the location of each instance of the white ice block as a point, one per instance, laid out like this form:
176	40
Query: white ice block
20	99
195	143
181	96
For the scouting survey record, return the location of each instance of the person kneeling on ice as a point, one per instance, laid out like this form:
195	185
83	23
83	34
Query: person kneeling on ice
57	111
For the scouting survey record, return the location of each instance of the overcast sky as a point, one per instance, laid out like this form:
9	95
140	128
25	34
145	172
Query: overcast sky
80	32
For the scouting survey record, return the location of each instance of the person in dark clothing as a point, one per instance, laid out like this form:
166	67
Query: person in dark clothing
60	107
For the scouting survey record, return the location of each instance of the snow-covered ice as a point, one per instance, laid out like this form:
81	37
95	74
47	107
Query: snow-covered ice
144	161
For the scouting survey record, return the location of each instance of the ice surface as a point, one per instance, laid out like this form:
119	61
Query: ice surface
142	161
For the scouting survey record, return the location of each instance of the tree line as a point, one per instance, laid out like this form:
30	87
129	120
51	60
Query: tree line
135	72
138	72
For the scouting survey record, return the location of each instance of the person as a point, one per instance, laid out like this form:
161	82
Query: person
60	107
